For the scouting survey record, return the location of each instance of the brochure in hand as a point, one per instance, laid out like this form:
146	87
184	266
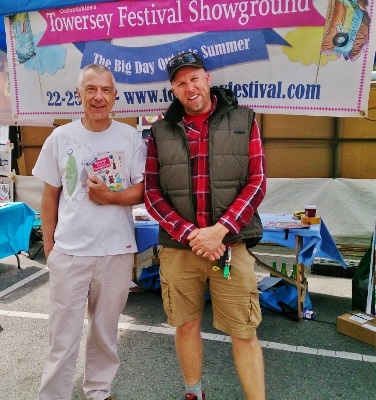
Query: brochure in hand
108	166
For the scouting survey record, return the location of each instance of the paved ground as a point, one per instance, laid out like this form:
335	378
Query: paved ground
307	360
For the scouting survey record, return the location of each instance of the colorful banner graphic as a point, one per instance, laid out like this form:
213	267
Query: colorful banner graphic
133	65
143	18
5	105
310	57
6	115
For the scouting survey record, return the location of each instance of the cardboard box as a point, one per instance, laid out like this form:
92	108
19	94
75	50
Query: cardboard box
35	136
358	325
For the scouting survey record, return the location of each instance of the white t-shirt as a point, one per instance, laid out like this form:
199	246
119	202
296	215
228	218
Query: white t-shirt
84	228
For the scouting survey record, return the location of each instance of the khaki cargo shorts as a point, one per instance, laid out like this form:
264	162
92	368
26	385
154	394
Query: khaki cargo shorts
185	278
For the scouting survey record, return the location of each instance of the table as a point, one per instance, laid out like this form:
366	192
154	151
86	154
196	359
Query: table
316	240
146	233
308	243
313	241
16	222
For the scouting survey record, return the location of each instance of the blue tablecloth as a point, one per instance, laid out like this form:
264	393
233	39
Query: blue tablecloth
146	234
16	221
317	240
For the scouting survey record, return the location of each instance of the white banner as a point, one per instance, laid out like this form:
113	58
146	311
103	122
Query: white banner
5	107
6	115
311	57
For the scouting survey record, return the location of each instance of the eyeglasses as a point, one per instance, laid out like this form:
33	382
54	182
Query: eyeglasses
185	58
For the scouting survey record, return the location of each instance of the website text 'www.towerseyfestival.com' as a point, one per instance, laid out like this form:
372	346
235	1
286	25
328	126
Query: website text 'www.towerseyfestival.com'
251	90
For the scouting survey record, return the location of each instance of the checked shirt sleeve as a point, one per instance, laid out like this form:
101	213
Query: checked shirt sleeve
157	206
246	203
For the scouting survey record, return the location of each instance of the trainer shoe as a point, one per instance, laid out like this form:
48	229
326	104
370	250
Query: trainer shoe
189	396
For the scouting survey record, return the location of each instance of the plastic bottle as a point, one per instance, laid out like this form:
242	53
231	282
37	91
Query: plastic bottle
283	269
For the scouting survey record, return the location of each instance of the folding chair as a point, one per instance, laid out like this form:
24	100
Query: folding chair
29	190
36	234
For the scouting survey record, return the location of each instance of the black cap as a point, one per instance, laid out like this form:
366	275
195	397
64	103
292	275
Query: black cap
187	59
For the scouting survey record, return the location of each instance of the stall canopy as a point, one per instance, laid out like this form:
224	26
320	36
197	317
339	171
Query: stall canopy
14	7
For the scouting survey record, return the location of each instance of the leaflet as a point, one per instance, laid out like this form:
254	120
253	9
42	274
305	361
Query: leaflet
108	166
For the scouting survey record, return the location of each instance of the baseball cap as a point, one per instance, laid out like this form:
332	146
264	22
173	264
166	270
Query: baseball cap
187	59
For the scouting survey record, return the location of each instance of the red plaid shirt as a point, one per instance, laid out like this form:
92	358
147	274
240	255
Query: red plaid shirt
241	210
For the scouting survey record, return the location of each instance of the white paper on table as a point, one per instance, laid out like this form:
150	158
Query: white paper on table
267	282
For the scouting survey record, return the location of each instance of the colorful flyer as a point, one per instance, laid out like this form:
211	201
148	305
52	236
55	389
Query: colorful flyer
108	167
4	193
5	160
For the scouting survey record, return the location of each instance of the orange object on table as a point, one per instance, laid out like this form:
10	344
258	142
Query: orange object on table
310	220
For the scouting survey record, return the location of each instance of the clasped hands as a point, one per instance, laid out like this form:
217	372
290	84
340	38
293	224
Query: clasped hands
208	242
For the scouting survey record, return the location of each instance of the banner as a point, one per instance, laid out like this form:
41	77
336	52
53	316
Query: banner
310	57
5	107
6	115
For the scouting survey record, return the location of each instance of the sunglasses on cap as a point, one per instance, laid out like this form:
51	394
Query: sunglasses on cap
183	60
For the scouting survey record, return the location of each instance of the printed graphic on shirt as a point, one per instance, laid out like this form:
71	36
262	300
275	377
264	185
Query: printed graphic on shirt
108	166
71	174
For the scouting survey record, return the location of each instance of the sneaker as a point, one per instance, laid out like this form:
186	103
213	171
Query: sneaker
189	396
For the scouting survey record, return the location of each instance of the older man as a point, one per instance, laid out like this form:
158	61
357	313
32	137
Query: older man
93	173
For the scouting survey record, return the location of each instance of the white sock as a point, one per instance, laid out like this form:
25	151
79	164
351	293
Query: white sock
195	389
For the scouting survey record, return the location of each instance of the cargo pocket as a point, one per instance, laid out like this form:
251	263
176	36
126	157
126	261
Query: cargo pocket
254	310
165	295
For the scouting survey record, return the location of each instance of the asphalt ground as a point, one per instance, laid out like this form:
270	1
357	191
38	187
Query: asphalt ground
307	360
